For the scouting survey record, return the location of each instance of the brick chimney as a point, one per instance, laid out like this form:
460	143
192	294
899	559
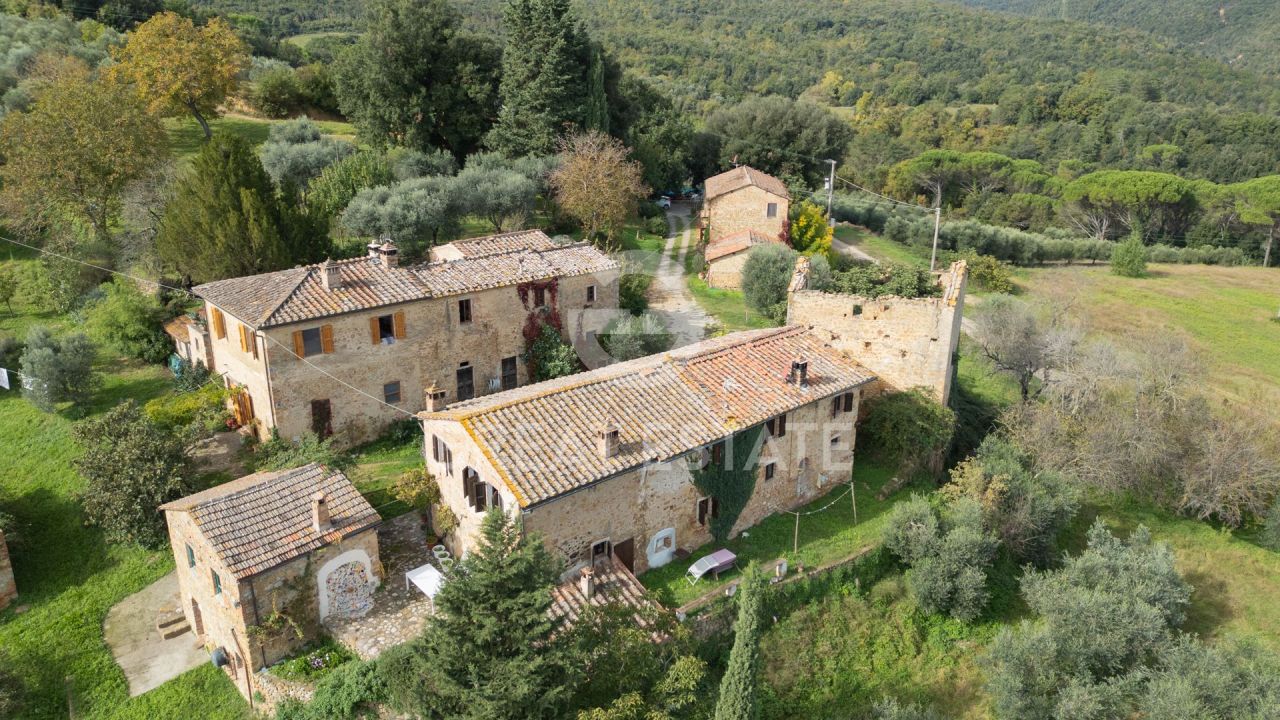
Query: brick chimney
329	276
375	249
390	254
607	439
433	398
320	513
587	582
799	372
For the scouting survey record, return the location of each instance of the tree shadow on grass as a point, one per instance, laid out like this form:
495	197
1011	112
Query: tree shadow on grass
54	550
1210	607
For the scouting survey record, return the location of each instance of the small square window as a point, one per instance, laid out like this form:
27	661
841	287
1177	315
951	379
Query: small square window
591	293
464	310
312	343
602	549
835	440
391	392
777	426
772	210
191	557
769	469
217	584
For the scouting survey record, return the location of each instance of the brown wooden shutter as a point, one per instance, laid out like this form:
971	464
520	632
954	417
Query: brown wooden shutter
326	338
398	321
373	330
253	344
299	348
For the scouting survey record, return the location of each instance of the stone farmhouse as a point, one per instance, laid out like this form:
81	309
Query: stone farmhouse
8	588
454	326
601	464
263	560
745	199
728	254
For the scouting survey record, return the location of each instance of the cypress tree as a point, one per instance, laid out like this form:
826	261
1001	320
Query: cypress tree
738	688
227	220
596	113
544	86
489	651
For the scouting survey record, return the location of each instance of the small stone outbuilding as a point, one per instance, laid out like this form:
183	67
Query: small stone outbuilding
745	199
727	256
190	335
262	560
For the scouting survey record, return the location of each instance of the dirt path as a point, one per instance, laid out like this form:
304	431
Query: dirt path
669	296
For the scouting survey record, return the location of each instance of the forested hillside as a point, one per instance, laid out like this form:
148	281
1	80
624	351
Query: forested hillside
1242	32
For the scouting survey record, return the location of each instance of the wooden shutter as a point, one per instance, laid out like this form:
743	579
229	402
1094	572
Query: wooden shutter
374	335
244	340
848	402
398	321
326	338
299	348
219	323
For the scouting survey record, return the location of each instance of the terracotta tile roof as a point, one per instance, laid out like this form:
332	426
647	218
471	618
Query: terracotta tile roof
506	242
614	585
542	438
298	295
262	520
743	176
737	242
179	328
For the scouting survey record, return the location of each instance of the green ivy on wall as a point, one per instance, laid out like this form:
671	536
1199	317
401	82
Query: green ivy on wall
731	481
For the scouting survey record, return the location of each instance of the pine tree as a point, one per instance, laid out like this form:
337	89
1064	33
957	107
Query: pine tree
544	88
489	651
738	688
226	219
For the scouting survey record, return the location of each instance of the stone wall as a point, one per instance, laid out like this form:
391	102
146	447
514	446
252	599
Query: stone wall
646	503
726	272
745	209
466	454
435	346
8	588
906	342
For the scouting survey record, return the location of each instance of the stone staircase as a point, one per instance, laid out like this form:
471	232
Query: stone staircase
171	623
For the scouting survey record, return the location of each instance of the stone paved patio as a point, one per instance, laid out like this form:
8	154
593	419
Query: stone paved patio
398	613
146	657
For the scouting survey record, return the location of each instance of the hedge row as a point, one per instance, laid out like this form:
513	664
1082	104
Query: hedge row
1008	244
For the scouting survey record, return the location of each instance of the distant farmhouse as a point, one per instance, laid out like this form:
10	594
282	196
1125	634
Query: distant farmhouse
743	208
454	325
264	559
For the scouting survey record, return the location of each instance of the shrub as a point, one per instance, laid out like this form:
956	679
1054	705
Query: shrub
417	488
633	291
188	377
131	466
1271	527
128	322
656	226
886	280
988	273
352	691
1129	259
280	454
549	356
948	555
316	662
276	93
766	275
59	369
631	337
204	410
893	710
1027	510
908	430
295	153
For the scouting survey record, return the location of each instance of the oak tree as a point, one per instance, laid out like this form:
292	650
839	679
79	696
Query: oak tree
598	184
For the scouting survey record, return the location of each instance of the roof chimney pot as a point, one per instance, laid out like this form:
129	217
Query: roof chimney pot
608	440
587	582
320	521
329	276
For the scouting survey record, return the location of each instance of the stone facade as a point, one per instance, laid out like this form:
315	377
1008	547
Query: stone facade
726	272
303	589
655	508
906	342
8	588
747	208
283	388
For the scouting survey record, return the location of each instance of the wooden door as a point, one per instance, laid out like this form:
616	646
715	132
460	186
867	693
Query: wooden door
625	551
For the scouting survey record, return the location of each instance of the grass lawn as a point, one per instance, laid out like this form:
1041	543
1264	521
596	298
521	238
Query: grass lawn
378	465
880	247
306	39
824	536
186	137
728	307
1224	313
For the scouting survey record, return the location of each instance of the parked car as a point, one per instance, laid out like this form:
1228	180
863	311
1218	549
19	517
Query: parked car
664	203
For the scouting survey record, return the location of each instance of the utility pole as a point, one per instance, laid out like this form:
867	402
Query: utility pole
937	224
831	188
